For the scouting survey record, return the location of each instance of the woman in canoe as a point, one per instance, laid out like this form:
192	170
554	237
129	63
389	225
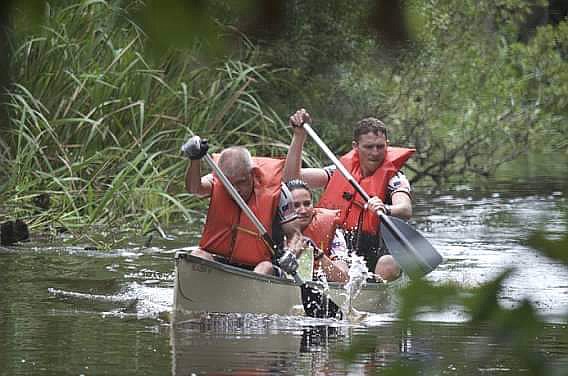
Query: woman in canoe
317	228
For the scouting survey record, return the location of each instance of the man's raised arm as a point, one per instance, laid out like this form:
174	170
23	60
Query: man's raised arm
314	177
194	149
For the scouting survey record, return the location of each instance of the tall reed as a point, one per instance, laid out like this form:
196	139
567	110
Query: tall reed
97	125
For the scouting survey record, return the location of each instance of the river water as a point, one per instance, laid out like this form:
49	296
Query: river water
68	310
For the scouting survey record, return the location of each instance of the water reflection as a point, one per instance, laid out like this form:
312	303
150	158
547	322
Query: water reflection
249	344
257	345
481	238
67	310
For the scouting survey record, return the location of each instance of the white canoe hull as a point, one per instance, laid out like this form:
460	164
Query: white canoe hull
209	286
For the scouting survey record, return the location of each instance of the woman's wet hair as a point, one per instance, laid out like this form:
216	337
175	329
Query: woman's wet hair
298	184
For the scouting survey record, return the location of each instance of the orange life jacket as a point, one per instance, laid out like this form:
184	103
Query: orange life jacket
228	231
339	194
322	228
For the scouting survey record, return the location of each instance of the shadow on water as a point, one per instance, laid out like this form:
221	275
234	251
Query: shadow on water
66	310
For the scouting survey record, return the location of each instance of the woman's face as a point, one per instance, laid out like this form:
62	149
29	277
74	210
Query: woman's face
302	199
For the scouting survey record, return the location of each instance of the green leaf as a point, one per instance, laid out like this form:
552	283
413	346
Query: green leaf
555	249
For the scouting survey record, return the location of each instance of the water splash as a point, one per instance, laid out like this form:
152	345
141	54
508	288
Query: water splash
117	299
358	274
138	300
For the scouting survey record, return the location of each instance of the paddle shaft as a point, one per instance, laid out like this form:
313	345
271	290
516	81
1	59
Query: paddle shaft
388	223
240	202
248	212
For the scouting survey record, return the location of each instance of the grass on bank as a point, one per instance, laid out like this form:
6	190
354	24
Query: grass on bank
96	126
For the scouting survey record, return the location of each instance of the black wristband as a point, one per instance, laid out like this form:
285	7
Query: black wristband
318	254
388	210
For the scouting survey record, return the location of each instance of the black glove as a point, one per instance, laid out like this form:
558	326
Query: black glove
195	148
288	262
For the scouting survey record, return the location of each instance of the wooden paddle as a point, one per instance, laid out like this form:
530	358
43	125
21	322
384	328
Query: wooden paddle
414	254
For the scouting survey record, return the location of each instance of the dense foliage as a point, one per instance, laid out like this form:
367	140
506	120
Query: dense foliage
97	116
96	119
97	125
465	89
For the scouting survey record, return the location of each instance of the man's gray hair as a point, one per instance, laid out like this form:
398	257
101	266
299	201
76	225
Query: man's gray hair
235	160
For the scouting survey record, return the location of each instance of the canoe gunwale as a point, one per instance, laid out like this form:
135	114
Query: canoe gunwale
186	255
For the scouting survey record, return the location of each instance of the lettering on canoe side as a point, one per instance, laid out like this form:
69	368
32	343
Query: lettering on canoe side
200	268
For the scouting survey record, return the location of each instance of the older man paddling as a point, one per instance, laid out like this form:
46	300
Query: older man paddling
229	235
376	167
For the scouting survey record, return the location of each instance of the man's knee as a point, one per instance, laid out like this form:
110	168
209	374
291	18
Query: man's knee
387	268
264	267
202	254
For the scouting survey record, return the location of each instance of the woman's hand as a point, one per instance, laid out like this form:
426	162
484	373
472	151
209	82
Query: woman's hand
295	243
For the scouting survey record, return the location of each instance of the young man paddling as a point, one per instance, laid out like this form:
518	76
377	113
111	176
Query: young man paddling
229	235
376	167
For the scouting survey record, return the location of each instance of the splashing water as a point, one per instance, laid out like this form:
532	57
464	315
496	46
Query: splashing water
137	300
358	274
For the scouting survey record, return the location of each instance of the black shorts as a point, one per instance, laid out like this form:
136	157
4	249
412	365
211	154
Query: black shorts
370	247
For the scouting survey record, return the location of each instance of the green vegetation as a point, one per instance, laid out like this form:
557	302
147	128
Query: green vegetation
96	126
99	106
463	90
516	328
97	117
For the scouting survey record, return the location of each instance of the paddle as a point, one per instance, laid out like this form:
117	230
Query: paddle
313	303
244	207
415	255
248	212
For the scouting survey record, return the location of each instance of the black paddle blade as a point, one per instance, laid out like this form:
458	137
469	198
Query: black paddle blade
316	304
413	253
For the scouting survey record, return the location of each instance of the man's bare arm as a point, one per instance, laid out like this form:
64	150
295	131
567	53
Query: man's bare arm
401	205
314	177
194	183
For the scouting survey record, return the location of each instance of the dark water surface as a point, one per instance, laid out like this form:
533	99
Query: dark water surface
67	310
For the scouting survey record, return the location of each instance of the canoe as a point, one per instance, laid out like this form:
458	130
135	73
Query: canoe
210	286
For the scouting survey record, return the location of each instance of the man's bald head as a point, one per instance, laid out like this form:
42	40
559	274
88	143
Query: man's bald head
236	164
235	161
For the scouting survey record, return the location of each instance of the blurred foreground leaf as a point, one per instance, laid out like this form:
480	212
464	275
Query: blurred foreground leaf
180	24
421	293
484	304
555	249
360	345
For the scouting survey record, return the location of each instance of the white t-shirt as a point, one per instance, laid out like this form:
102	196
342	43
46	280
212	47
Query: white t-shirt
338	248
